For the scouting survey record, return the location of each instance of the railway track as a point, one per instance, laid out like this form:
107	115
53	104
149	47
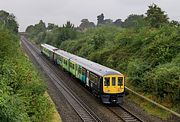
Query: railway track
84	112
124	114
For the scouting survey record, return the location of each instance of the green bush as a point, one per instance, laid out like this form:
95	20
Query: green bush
21	89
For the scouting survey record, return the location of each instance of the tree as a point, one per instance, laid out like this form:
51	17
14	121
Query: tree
134	21
156	17
100	19
107	21
9	21
118	22
175	23
29	28
40	27
51	26
86	24
68	25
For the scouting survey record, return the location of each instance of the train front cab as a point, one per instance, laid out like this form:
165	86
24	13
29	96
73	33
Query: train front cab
113	89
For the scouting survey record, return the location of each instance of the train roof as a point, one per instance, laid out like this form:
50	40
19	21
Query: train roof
49	47
90	65
94	67
87	64
63	53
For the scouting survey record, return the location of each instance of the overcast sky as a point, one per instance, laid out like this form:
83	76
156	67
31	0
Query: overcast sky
29	12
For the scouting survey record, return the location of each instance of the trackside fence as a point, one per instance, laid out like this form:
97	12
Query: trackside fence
155	103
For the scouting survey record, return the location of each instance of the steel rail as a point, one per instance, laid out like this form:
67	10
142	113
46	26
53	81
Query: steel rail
125	115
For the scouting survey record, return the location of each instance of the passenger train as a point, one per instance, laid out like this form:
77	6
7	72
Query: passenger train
105	83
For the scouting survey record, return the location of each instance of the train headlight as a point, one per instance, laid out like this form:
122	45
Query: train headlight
107	91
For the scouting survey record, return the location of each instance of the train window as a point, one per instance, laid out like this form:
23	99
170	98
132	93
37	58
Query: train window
72	65
65	61
60	58
93	77
79	69
120	81
83	71
113	81
107	81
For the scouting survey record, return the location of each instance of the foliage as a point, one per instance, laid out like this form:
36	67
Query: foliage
101	21
85	24
21	90
134	21
39	33
8	21
156	16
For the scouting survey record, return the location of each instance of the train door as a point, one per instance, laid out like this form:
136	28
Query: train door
87	79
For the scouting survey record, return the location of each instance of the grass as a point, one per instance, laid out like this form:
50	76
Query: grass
55	115
149	107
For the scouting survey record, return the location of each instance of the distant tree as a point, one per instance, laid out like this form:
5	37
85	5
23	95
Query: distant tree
175	23
37	30
65	33
100	19
118	22
51	26
29	28
155	16
86	24
134	21
68	25
9	21
40	27
107	21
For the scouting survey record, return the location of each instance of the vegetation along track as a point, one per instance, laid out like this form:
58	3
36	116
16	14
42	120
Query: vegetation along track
84	112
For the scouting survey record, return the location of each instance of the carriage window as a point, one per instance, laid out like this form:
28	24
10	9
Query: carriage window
79	69
120	81
107	81
60	58
83	71
113	81
65	62
73	66
93	77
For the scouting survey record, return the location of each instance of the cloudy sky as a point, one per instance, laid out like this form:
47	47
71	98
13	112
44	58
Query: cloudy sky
29	12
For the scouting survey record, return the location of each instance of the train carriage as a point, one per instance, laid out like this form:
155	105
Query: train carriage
62	58
48	50
104	82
